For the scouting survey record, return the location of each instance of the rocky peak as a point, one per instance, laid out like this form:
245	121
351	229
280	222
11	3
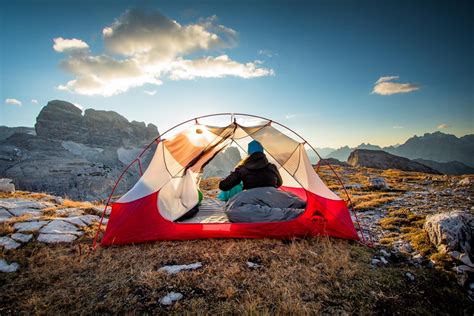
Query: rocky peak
61	120
382	160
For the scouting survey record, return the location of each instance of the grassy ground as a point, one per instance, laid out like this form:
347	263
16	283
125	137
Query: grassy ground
299	277
312	276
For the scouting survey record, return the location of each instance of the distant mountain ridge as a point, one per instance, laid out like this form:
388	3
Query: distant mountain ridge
382	160
438	147
455	168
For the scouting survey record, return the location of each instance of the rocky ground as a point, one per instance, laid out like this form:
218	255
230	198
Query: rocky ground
45	240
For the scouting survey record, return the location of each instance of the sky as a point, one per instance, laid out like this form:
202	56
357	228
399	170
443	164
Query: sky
338	72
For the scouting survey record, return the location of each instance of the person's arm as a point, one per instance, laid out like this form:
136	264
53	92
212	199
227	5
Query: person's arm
278	175
231	181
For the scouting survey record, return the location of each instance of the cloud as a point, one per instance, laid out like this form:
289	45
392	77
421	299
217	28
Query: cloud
150	92
443	126
387	78
290	116
104	75
34	101
64	45
216	67
13	102
386	86
398	127
147	48
267	52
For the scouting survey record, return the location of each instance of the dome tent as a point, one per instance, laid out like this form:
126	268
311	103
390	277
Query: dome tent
168	188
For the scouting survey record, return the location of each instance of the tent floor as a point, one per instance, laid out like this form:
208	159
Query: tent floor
210	211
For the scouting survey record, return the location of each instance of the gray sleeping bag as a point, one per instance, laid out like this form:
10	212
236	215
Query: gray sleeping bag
265	204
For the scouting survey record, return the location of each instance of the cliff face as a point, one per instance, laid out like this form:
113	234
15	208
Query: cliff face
381	160
61	120
77	155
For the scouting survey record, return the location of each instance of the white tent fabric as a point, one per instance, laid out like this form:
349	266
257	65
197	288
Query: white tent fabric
177	162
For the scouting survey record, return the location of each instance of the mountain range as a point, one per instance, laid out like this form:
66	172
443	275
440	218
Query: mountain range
437	147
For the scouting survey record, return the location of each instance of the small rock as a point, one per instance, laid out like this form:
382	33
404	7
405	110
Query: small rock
8	243
6	185
56	238
418	258
8	268
60	227
174	269
89	219
29	226
464	182
25	211
385	253
58	200
384	261
410	277
12	203
76	220
22	237
170	298
356	186
253	265
4	215
406	247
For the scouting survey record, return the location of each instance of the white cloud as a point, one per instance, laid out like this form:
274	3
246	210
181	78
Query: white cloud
64	45
34	101
386	86
267	52
104	75
443	126
398	127
387	78
13	102
150	92
146	48
215	67
290	116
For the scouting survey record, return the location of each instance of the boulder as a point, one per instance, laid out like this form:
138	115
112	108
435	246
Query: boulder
6	185
464	182
378	183
451	231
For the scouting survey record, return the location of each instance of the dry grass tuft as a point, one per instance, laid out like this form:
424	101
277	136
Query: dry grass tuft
6	228
77	204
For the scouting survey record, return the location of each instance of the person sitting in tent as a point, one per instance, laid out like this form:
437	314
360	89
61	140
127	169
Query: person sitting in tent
255	171
260	201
